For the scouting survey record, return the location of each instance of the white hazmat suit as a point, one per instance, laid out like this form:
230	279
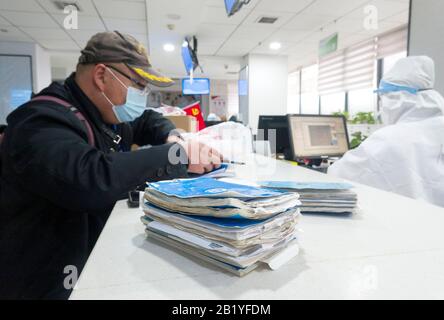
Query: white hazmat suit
406	156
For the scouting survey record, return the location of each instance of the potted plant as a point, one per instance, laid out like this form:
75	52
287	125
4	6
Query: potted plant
360	127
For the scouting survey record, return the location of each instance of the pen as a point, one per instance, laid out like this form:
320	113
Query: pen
234	162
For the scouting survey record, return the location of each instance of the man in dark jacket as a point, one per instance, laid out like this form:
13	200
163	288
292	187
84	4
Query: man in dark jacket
60	176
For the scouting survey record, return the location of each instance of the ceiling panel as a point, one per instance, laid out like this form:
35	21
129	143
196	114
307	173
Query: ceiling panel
59	45
242	46
386	8
214	3
13	34
86	7
28	19
256	33
82	34
218	15
208	49
308	22
347	25
291	6
215	30
301	49
402	17
4	22
20	5
121	9
126	25
46	33
290	35
85	22
336	8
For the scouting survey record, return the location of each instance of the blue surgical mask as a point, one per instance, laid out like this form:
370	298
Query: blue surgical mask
134	106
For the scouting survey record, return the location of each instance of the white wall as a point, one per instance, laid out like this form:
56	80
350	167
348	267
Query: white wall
267	92
63	64
41	67
426	37
227	91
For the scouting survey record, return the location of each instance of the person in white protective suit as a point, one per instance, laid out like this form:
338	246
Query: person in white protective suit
407	155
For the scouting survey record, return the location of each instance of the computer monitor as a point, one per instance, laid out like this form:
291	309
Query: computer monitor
317	136
233	6
195	86
280	126
189	55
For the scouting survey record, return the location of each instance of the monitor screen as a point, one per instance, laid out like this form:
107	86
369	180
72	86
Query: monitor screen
197	86
243	87
230	6
187	57
317	136
275	130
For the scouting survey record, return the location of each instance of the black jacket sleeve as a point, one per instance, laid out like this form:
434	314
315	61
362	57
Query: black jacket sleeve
151	128
51	158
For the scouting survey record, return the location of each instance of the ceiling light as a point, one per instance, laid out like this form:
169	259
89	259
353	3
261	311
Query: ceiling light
275	45
168	47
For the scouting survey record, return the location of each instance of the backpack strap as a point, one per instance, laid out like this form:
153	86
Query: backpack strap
76	112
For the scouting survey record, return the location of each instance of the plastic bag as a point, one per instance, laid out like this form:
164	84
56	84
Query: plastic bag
233	140
169	110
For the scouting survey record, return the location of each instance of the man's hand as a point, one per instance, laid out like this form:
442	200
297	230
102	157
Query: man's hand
174	139
201	158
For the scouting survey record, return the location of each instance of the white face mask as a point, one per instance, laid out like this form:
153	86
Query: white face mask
134	106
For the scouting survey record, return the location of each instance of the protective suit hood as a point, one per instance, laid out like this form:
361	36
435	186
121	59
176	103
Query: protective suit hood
417	73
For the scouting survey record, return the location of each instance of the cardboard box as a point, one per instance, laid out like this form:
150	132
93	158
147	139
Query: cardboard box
186	123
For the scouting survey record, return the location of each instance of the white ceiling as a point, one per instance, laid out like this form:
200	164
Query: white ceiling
223	41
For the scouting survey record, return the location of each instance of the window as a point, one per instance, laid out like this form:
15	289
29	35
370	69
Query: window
333	103
293	92
350	69
16	83
309	90
363	100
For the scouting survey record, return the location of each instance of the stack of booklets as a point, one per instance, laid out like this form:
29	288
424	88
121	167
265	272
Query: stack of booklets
320	197
233	226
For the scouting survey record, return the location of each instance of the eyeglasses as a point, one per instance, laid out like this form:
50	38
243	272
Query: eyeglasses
139	84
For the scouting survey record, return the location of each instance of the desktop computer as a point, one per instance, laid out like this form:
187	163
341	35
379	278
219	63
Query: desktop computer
275	130
317	137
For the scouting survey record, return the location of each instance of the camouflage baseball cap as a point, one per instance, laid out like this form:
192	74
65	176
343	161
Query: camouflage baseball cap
122	48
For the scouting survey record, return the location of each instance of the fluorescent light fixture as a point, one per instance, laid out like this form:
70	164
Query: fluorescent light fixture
168	47
275	45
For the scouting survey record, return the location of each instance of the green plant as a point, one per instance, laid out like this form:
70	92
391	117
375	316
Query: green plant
344	113
359	118
364	118
358	138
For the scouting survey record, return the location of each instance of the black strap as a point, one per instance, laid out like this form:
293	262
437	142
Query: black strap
114	137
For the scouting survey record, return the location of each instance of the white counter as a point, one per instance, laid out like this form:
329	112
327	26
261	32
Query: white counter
394	248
